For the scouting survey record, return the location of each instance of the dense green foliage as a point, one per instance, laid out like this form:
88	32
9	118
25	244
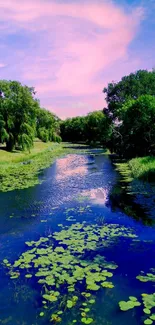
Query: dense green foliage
95	128
143	168
131	106
47	126
135	136
17	114
21	117
130	87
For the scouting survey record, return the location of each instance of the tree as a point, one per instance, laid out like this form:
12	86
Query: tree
47	126
17	115
130	87
98	128
73	129
136	134
92	129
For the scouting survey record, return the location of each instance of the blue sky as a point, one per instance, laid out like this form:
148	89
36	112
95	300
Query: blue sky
69	50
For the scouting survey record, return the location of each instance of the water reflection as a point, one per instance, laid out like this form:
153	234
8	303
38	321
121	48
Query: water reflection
96	195
64	170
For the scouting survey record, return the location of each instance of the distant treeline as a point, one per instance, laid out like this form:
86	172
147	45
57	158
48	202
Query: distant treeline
127	125
95	128
22	119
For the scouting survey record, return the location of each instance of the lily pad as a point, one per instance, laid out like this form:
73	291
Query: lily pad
41	314
69	304
148	321
147	311
86	320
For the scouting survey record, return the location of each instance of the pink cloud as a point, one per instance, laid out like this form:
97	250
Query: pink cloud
81	41
2	65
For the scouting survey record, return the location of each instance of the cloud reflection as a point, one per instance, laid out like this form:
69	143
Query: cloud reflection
97	195
67	167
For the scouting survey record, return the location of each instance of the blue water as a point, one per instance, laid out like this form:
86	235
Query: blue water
73	182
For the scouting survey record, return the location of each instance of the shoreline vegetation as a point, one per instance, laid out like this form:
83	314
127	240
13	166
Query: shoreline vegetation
142	168
20	170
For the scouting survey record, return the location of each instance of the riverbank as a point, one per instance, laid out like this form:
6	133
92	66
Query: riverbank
142	168
19	170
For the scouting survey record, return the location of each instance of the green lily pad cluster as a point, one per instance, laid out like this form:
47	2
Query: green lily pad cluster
148	301
130	304
149	304
59	263
146	277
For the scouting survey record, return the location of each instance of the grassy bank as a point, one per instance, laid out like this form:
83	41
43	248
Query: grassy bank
143	168
138	168
19	170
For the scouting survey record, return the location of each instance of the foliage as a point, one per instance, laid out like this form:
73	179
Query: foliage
95	128
98	128
21	117
142	82
47	126
131	107
143	168
73	129
137	131
17	115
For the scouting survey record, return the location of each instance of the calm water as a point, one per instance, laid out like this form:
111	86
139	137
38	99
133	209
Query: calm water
90	186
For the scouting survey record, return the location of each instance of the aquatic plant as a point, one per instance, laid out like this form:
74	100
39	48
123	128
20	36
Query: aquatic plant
62	262
147	277
148	301
131	303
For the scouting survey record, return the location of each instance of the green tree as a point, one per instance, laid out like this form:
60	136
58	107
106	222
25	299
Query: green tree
98	128
47	126
130	87
17	114
92	129
136	135
73	129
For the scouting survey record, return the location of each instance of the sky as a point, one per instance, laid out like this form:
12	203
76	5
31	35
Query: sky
70	49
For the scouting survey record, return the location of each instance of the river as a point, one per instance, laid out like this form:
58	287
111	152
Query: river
77	189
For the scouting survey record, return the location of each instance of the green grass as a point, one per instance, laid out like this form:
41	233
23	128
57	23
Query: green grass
143	168
20	156
19	170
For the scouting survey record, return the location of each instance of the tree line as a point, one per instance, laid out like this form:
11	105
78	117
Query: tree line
22	119
127	125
